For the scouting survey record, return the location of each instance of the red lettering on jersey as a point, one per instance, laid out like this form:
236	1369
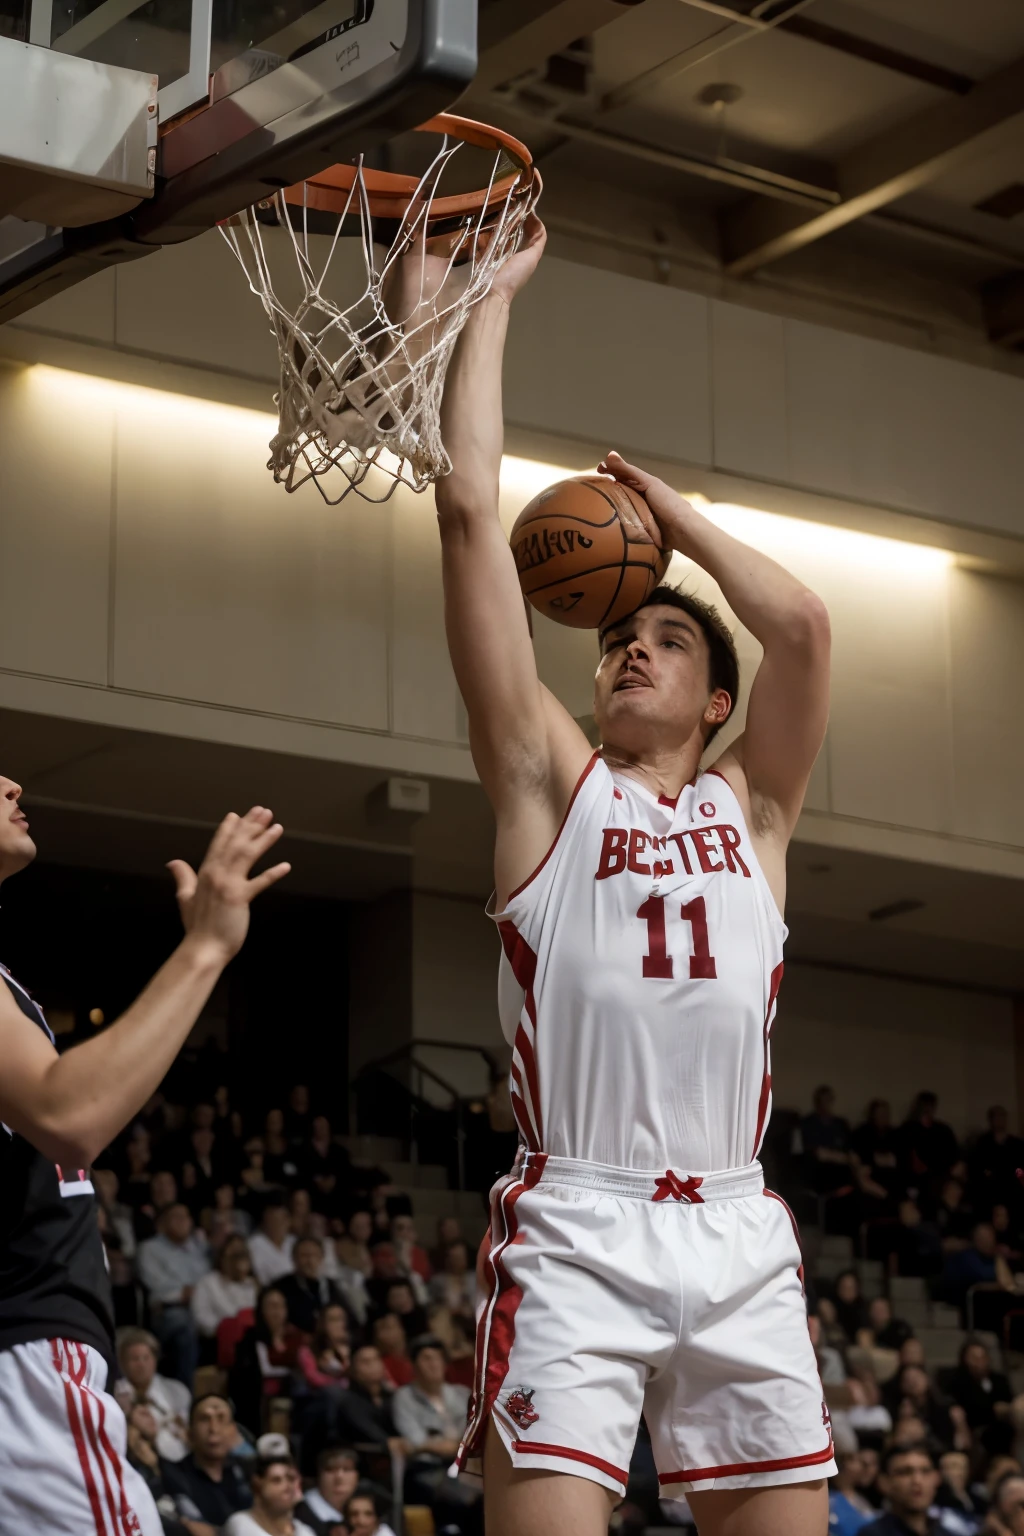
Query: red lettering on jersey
731	850
637	843
707	809
677	838
703	841
613	853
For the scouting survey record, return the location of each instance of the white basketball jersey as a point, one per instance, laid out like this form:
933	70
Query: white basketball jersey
641	964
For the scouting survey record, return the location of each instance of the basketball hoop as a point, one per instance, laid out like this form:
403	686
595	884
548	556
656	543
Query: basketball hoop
361	380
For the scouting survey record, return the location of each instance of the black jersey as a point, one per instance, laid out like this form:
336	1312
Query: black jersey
53	1272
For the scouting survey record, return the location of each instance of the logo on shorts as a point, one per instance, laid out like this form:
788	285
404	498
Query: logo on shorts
519	1406
131	1522
826	1419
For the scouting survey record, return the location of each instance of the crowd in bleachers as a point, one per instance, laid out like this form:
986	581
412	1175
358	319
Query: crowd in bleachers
915	1285
275	1299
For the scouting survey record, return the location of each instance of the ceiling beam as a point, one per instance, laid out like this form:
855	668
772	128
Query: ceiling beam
1003	299
887	167
516	35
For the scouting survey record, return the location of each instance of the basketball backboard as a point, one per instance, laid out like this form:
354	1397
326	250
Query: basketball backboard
252	95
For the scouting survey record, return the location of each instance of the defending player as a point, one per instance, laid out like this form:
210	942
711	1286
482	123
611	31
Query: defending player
62	1438
635	1263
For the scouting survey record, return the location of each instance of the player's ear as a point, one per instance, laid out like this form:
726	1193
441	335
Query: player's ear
718	708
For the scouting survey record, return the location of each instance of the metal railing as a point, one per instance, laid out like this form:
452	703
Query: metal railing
420	1073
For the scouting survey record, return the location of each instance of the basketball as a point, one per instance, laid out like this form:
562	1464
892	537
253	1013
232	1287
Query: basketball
577	555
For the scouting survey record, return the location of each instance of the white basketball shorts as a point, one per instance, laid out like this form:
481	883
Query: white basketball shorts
62	1448
612	1293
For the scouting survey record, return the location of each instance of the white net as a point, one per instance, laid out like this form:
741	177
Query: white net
361	379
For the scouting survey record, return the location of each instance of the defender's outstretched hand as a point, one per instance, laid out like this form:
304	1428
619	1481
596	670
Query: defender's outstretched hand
214	903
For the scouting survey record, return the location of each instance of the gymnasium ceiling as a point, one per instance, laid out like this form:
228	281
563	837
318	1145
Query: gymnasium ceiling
862	153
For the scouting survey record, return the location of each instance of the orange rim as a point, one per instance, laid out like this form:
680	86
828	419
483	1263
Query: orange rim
389	194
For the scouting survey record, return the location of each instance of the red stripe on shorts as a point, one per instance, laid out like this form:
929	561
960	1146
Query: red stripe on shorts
536	1448
737	1469
85	1404
65	1374
129	1520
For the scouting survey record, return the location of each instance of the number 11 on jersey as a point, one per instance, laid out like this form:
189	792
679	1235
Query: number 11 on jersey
658	963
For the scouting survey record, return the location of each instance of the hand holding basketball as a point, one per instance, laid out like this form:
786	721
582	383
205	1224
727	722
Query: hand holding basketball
214	903
661	505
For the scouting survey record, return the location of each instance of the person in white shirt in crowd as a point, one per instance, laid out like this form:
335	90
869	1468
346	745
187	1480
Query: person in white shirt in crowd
430	1416
138	1354
170	1266
362	1516
226	1290
270	1248
276	1491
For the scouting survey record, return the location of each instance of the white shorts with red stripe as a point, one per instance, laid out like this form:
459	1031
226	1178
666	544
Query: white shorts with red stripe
63	1470
612	1293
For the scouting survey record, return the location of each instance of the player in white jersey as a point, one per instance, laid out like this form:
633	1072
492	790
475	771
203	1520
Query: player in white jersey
636	1263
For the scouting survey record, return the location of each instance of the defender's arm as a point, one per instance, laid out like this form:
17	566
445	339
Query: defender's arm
70	1107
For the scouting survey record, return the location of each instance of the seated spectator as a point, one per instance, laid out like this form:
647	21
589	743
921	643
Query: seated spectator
985	1396
912	1392
390	1338
909	1429
828	1162
276	1491
411	1258
867	1413
163	1191
458	1336
307	1289
955	1492
326	1167
226	1290
266	1358
362	1516
326	1361
909	1480
209	1485
953	1218
399	1297
832	1332
455	1285
144	1457
875	1145
449	1230
271	1246
138	1355
994	1161
883	1331
298	1117
337	1477
980	1264
867	1477
201	1170
280	1160
918	1247
364	1411
1006	1511
928	1145
224	1219
353	1249
848	1509
170	1266
253	1180
119	1215
851	1310
300	1208
912	1353
136	1172
430	1416
1008	1235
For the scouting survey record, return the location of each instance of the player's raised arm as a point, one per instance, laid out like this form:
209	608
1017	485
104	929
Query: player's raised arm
788	707
69	1107
527	749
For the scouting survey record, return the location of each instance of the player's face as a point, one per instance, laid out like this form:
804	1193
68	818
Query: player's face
16	847
651	688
